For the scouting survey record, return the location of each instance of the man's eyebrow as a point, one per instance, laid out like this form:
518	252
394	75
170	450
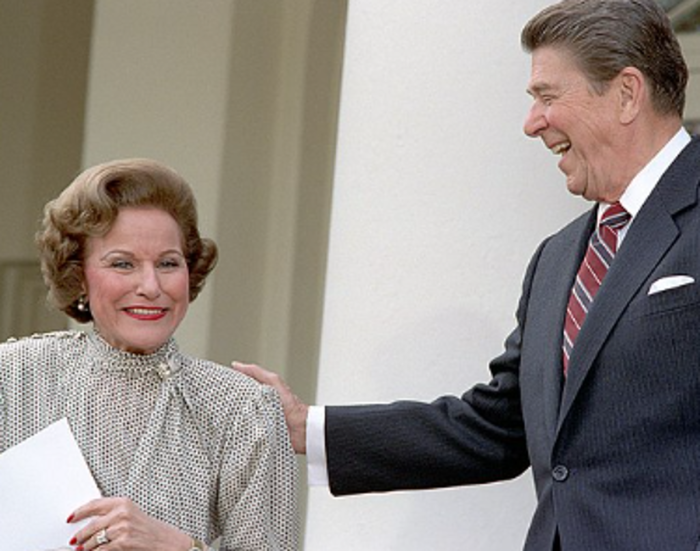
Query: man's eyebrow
538	88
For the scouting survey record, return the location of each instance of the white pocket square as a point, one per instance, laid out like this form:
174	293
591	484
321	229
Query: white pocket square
670	282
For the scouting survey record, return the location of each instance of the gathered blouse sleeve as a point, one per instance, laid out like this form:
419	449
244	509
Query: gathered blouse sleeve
258	489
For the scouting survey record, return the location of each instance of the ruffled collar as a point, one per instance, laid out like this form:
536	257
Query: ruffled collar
162	361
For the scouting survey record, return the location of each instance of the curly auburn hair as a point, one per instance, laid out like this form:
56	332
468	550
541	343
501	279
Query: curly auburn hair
89	206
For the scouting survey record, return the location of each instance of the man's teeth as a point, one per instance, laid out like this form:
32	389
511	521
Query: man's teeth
561	148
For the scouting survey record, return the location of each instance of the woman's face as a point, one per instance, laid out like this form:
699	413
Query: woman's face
137	280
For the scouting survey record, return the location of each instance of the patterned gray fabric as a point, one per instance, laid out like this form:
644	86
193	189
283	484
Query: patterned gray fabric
193	443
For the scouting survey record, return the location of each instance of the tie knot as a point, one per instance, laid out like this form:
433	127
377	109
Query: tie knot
615	217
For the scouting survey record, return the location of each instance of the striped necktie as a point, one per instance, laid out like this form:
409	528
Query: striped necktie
599	255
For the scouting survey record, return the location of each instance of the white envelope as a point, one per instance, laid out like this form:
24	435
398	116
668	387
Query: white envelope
670	282
42	481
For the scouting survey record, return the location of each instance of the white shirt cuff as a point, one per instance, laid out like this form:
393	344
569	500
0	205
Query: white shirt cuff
316	465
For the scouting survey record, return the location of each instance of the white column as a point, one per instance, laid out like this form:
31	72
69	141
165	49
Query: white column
158	86
239	96
439	201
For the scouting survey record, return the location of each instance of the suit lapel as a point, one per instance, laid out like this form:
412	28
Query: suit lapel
559	285
641	251
651	235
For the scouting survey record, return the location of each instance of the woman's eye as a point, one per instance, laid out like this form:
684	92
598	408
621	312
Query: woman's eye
169	263
122	264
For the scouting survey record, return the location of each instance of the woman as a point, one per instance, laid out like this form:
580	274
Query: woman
185	451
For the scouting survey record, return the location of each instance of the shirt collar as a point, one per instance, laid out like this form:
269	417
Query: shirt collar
645	181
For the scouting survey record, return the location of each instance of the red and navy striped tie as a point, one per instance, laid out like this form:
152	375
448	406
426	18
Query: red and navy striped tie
601	251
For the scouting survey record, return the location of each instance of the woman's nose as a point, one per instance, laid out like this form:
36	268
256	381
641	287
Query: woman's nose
149	283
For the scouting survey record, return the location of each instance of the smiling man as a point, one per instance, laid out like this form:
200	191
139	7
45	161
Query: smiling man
597	388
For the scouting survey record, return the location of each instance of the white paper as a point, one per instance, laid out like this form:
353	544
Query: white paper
42	481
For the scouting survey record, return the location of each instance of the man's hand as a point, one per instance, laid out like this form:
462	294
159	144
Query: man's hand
295	411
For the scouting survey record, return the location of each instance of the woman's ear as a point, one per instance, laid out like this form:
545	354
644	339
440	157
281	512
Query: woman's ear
83	303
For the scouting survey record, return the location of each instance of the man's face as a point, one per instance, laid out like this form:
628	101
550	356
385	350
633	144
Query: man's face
576	123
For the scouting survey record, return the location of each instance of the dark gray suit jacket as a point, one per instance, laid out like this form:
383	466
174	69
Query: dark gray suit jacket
615	450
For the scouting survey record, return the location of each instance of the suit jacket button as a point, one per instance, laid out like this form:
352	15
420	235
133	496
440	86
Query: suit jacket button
560	473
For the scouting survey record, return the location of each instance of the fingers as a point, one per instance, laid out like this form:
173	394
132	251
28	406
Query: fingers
295	411
269	378
95	535
117	524
99	540
256	372
103	526
93	508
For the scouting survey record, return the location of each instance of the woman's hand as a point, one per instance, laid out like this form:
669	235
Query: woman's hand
122	526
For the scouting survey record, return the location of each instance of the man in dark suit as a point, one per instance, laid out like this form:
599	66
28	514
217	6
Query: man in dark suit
598	388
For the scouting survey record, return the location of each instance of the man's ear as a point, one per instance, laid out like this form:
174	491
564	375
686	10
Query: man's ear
632	90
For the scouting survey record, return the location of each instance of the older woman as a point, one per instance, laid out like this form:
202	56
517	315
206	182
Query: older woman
185	451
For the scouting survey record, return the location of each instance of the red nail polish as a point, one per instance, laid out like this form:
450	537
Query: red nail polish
79	548
73	541
70	519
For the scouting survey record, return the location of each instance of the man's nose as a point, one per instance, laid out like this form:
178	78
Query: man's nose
535	121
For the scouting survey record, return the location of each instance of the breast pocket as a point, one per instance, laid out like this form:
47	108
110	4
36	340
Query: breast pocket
665	301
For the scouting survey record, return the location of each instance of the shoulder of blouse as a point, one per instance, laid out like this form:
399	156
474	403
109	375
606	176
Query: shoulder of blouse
224	391
40	341
51	353
218	379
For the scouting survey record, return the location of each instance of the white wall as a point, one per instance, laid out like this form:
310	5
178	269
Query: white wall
157	88
439	201
240	97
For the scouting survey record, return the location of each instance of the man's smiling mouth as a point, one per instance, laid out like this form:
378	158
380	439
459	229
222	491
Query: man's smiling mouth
561	148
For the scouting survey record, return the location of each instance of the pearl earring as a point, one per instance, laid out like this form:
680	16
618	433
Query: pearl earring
82	305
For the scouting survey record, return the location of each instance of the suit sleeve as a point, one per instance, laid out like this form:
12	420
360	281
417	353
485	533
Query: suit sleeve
476	438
